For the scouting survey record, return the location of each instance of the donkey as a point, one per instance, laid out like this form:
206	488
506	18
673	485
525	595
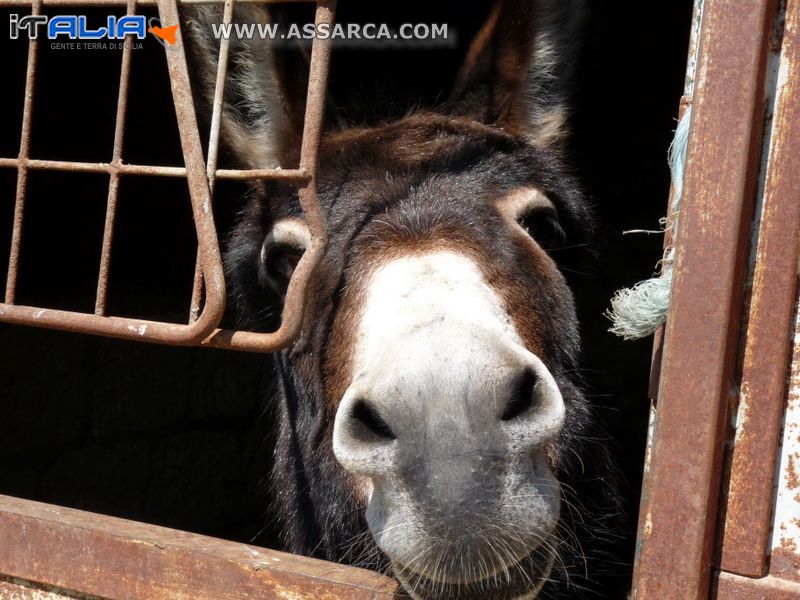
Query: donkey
432	422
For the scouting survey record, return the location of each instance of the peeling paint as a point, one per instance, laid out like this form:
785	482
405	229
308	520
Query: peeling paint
139	329
694	42
651	427
786	524
15	588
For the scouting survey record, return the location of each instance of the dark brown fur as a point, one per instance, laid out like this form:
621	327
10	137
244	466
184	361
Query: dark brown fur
431	180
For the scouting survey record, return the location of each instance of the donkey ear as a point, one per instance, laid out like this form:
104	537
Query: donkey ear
518	67
256	127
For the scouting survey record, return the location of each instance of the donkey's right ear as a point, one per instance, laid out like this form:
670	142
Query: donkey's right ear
257	126
518	69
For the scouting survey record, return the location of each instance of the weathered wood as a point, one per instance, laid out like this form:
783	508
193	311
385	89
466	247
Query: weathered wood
13	588
89	554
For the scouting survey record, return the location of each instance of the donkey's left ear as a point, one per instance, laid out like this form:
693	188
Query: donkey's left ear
261	119
518	68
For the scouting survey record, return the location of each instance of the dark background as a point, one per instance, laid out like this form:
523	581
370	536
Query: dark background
180	437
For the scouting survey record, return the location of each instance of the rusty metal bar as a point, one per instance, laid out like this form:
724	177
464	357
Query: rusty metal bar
123	3
22	171
309	158
91	555
213	147
684	105
208	247
680	508
127	169
784	558
113	184
748	519
736	587
298	175
121	327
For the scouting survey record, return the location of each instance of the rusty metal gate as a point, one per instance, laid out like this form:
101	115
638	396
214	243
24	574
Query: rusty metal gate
721	504
129	559
208	297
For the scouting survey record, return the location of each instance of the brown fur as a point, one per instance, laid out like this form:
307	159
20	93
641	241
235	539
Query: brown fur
438	179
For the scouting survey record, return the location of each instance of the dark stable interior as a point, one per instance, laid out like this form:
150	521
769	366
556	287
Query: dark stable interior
181	436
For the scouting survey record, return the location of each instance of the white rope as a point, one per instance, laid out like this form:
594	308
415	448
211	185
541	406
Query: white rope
636	312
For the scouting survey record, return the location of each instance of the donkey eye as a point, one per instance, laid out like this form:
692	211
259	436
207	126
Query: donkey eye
281	250
279	262
543	226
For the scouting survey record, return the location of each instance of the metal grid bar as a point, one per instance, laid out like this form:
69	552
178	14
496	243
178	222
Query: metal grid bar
157	170
309	158
113	184
208	296
124	3
22	170
213	147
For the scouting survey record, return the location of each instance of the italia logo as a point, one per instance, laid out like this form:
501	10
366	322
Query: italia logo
165	35
75	27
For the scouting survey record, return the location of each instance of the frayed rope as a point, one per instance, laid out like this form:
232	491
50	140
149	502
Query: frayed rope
636	312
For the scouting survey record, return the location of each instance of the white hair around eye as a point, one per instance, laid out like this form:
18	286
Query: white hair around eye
292	232
532	211
522	201
281	251
288	232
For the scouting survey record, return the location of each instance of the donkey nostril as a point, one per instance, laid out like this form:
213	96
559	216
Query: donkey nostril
522	396
369	425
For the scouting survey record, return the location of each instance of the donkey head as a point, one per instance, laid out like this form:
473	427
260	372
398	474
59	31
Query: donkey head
430	412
